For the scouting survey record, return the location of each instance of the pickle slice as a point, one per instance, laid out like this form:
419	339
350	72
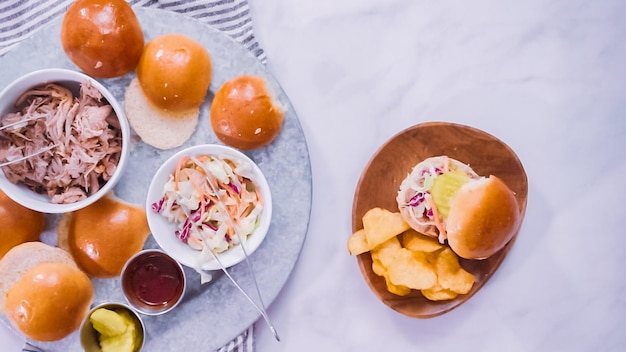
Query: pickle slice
444	187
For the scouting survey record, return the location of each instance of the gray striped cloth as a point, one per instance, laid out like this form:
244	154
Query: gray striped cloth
20	19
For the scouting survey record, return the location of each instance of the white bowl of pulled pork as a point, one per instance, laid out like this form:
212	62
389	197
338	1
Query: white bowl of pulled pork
63	140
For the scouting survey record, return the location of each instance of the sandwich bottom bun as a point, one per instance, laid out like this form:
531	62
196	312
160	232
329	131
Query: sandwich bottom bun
245	113
104	235
44	294
19	224
484	215
163	129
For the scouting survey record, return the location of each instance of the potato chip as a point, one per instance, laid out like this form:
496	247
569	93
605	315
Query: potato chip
357	243
411	269
386	251
377	267
451	275
416	241
438	293
381	224
396	289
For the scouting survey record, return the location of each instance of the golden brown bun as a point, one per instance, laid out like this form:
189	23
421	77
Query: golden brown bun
19	224
102	37
25	256
42	291
49	301
104	235
160	128
484	216
175	72
244	114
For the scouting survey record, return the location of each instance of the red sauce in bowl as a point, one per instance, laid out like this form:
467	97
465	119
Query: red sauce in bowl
153	282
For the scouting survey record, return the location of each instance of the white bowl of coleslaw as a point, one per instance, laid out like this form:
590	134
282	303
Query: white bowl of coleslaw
82	126
209	197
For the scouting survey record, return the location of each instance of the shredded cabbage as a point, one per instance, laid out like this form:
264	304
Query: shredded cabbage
189	202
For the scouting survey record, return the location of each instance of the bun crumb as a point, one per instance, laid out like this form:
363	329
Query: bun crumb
160	128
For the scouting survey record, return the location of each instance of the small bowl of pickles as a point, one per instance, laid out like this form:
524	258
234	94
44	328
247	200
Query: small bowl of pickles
112	327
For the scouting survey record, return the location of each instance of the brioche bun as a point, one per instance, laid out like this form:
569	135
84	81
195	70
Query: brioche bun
102	37
160	128
484	215
174	72
42	291
19	224
244	114
104	235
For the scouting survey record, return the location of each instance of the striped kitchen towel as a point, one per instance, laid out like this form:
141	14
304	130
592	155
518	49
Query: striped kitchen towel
19	19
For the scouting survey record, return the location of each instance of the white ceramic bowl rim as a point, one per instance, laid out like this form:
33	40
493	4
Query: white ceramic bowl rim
163	231
40	202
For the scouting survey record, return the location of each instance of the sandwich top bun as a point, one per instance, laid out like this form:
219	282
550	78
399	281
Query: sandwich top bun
43	293
245	114
484	215
174	72
102	37
19	224
104	235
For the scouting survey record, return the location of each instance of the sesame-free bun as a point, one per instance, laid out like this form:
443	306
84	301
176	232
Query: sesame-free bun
102	37
104	235
484	215
175	72
42	291
245	114
19	224
163	129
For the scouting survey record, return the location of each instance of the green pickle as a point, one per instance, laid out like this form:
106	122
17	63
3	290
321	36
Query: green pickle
444	187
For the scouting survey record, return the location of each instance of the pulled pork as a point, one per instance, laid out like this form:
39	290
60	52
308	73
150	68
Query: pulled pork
87	133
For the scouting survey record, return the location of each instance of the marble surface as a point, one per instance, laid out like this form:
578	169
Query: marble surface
546	77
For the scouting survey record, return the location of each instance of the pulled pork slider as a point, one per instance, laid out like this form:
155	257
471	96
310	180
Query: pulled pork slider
245	113
19	224
444	198
42	291
104	235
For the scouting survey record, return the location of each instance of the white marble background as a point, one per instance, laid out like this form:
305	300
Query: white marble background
546	77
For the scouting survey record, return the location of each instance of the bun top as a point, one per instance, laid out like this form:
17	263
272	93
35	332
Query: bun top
244	113
19	224
174	72
49	301
104	235
102	37
484	215
42	291
24	257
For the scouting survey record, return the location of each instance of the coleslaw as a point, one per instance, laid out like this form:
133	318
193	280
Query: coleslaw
201	214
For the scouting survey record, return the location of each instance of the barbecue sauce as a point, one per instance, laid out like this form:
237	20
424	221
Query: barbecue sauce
153	281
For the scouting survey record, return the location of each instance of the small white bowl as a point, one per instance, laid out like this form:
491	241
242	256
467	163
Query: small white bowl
71	80
163	231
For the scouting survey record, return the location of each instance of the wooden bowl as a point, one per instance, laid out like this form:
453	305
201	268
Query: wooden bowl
380	181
